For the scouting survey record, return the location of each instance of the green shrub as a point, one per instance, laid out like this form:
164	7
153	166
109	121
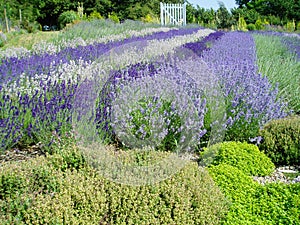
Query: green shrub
281	140
95	16
233	182
274	20
243	156
45	194
30	27
242	25
11	184
114	17
259	24
290	26
68	157
278	203
150	18
182	199
251	26
255	204
67	17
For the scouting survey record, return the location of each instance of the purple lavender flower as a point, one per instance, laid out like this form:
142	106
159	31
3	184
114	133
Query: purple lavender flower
251	100
160	89
30	119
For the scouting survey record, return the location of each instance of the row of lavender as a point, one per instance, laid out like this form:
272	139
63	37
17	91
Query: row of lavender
28	116
247	98
25	74
251	100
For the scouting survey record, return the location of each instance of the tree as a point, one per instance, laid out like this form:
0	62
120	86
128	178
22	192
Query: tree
242	3
250	15
190	13
223	17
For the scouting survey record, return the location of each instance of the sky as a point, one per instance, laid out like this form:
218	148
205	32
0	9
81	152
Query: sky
213	3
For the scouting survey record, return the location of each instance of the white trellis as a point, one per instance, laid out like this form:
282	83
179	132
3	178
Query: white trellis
173	14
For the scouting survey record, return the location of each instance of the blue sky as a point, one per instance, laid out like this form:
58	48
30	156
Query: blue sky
213	3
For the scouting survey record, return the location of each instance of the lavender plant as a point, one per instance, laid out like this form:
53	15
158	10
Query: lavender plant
27	120
142	101
206	43
251	100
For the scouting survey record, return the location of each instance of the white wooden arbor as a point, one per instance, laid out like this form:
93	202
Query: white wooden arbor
174	14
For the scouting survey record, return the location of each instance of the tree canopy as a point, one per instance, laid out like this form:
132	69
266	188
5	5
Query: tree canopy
284	9
48	11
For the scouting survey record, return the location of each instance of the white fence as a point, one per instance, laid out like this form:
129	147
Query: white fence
173	14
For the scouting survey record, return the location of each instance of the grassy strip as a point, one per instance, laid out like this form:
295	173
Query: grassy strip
26	40
280	66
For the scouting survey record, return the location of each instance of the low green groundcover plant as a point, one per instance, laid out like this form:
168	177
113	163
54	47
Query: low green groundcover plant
246	157
48	190
281	140
256	204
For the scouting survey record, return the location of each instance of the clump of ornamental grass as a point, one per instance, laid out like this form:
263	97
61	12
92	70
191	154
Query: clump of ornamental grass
277	61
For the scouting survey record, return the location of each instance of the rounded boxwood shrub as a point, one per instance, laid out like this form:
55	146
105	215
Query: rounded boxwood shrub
281	140
246	157
82	196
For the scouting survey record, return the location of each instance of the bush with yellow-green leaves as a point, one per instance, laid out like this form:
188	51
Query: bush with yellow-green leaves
39	191
246	157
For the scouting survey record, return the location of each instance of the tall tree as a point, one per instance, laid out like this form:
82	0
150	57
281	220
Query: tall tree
223	17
